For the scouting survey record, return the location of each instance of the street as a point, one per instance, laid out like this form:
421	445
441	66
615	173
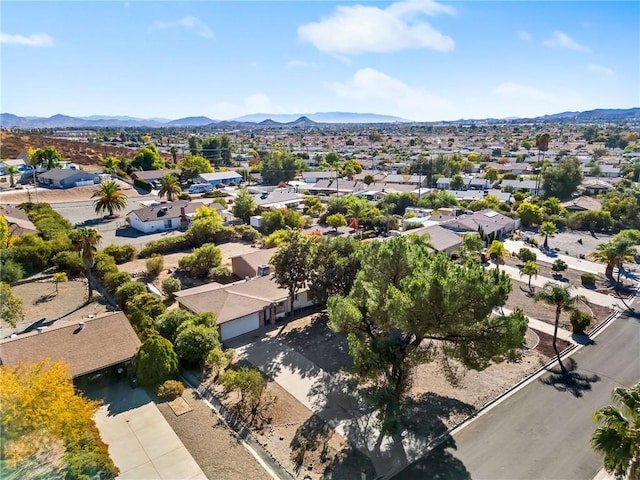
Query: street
542	431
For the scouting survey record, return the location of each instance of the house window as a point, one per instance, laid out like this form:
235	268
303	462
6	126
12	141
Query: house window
168	223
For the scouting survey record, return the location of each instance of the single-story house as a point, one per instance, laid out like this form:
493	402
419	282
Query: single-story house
219	178
279	198
21	165
89	346
153	175
582	203
406	179
595	186
244	306
247	265
337	187
490	224
528	186
440	238
67	178
18	221
313	177
159	217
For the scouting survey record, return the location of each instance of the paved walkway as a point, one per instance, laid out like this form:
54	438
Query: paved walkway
333	400
545	327
141	442
573	262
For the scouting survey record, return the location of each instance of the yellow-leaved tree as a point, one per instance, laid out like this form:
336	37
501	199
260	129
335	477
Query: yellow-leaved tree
44	423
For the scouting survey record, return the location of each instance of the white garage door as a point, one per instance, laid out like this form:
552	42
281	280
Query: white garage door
238	327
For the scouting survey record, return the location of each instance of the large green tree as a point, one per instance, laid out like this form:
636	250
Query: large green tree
244	205
293	262
617	438
47	157
109	198
409	307
148	158
563	180
193	165
85	241
280	166
156	361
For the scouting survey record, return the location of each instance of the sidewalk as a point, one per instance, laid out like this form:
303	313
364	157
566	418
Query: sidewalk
545	327
573	262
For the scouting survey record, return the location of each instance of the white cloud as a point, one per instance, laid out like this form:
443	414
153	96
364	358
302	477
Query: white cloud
524	35
357	29
517	90
371	87
33	40
188	23
562	40
301	64
601	69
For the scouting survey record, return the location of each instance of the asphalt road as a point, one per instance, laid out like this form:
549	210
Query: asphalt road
542	431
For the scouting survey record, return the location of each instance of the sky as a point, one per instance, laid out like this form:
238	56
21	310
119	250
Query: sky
420	60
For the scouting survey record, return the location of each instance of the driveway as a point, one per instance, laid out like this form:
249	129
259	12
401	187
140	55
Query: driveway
141	442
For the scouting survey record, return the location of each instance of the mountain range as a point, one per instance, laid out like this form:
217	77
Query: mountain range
8	120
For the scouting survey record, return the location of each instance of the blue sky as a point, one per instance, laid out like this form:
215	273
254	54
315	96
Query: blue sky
418	59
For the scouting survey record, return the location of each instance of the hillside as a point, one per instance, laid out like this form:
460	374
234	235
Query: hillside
82	153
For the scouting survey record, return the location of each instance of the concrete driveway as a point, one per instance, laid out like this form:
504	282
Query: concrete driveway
141	442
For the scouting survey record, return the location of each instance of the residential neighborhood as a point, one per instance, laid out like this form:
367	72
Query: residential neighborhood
143	283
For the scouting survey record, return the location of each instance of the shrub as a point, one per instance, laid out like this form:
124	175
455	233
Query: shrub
164	245
220	274
113	280
147	303
275	239
155	264
580	321
10	271
167	324
201	261
171	285
194	342
142	185
184	196
526	255
170	390
559	266
247	233
128	290
104	264
156	361
68	262
224	234
121	253
588	279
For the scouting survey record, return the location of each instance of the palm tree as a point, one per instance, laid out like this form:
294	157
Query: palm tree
496	249
169	187
613	253
530	268
12	171
560	297
471	243
617	439
546	229
85	240
109	198
542	144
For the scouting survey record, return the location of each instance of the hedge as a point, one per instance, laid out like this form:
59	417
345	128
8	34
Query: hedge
143	184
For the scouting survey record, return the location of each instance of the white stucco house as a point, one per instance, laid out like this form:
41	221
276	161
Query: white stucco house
164	216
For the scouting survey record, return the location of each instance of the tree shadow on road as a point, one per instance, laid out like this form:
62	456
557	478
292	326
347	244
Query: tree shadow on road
438	464
565	377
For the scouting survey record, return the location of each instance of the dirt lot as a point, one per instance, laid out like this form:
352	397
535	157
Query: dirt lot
39	300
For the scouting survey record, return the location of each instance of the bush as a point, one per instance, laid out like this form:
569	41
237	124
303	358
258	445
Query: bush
588	279
170	390
215	194
580	321
184	196
220	274
156	361
171	285
164	245
128	290
194	342
147	303
167	324
68	262
224	234
526	255
201	261
11	272
559	266
155	264
113	280
121	253
143	185
247	233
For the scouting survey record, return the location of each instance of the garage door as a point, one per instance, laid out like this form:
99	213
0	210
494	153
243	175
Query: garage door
238	327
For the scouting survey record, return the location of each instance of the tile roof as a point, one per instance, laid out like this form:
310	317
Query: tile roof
104	341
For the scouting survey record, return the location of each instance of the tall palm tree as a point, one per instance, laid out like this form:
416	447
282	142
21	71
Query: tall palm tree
497	250
12	171
109	198
85	241
530	268
169	187
560	297
546	229
542	144
617	439
613	253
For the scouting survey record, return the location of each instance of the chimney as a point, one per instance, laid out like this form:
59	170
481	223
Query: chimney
183	215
